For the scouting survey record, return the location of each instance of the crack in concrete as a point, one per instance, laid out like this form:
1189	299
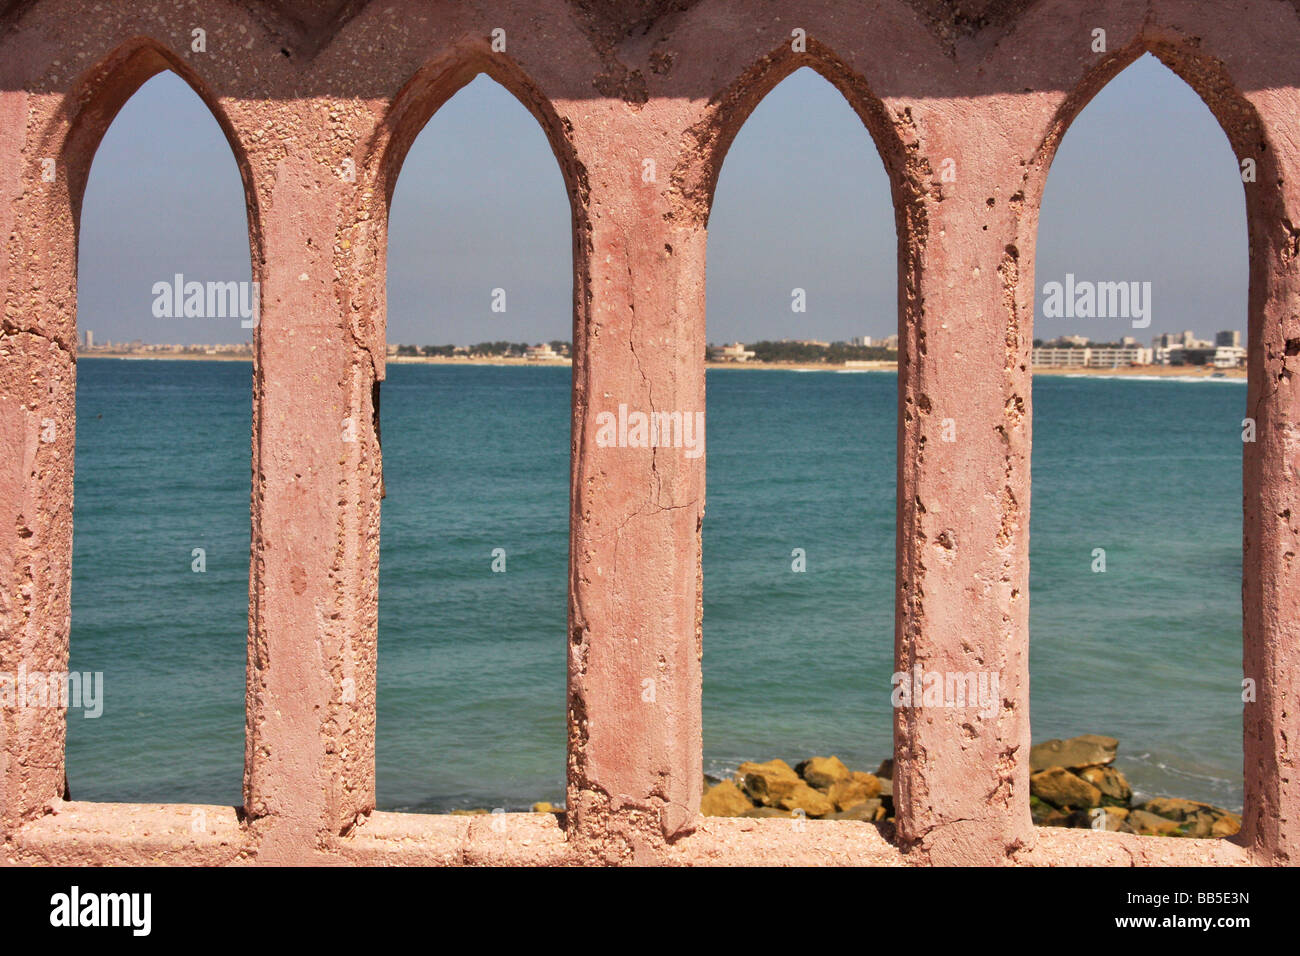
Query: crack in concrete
9	329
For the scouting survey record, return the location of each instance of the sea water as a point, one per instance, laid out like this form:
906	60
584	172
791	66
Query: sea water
801	472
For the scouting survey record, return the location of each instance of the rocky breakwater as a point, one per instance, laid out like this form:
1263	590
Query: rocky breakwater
819	787
1072	783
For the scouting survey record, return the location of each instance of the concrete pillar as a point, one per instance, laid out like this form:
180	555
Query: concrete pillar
1271	486
316	484
37	436
966	305
634	616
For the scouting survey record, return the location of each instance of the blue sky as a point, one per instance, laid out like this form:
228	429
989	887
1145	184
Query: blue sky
1144	188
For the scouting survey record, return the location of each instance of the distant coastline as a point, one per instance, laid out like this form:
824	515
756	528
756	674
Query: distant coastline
1189	372
167	356
1135	371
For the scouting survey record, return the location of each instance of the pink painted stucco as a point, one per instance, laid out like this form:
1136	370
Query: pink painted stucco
301	87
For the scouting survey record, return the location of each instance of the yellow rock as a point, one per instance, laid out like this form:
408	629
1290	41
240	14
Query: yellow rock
1109	781
812	802
1115	817
1226	825
1140	821
767	783
823	772
870	811
848	793
725	800
1176	808
1062	789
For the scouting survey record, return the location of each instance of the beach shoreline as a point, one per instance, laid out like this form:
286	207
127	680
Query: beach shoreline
1180	372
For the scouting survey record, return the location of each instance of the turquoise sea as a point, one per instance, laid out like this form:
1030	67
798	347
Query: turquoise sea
471	673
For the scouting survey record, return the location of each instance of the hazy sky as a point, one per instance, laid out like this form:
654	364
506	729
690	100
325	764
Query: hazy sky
1144	188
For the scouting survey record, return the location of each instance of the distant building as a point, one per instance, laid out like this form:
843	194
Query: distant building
1091	356
1228	356
90	340
541	352
736	352
1111	357
1051	357
862	341
1173	340
1065	341
1180	348
1220	356
1185	348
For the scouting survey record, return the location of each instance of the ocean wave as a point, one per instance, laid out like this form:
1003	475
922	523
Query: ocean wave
1152	776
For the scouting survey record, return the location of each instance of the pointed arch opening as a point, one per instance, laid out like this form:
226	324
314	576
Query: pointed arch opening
475	424
1141	328
160	570
799	534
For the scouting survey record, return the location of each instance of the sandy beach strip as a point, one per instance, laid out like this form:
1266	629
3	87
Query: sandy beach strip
1188	372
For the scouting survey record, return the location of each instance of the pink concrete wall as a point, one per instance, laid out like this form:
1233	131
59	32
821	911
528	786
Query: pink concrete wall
300	87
